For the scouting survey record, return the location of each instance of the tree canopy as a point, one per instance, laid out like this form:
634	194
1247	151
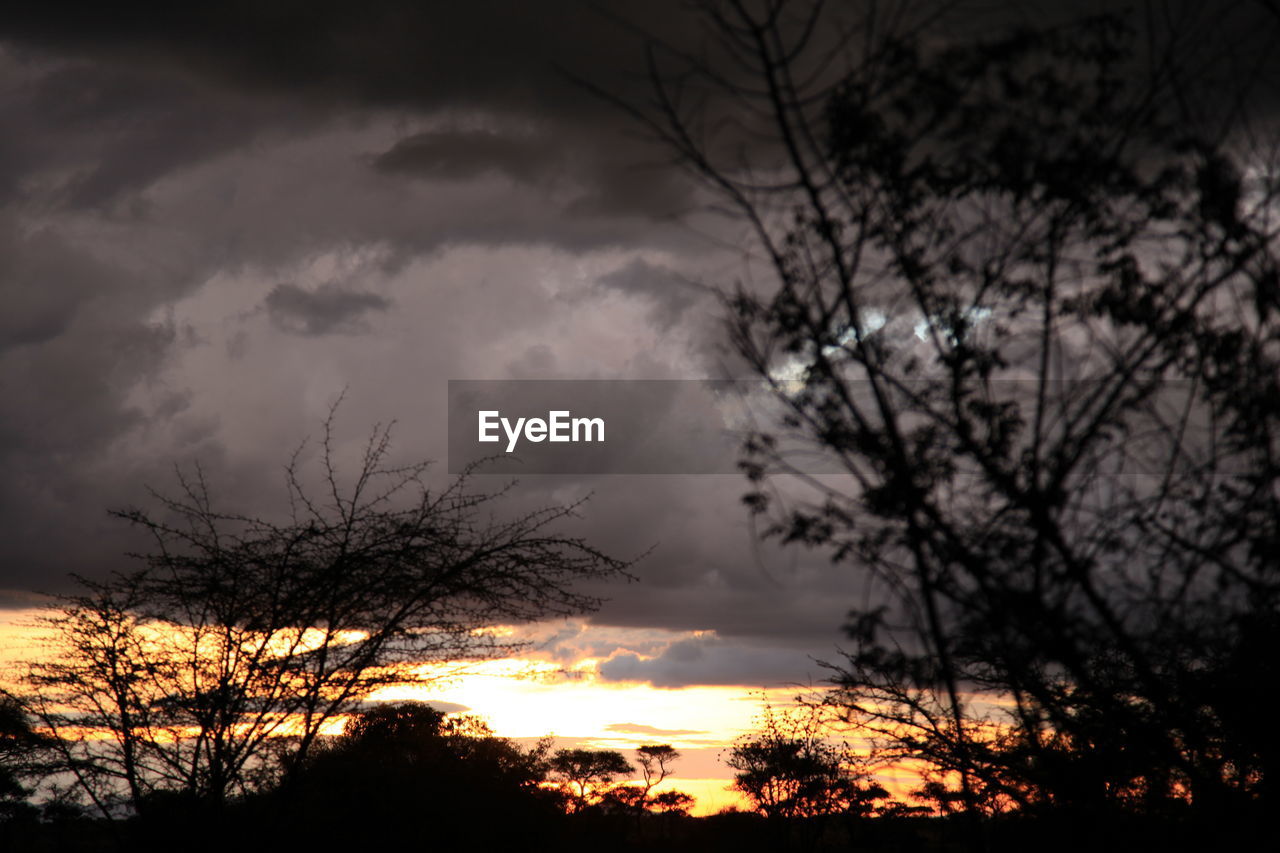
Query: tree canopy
1021	288
405	771
587	775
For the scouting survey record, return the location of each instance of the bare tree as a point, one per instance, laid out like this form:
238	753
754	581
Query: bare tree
240	641
1023	294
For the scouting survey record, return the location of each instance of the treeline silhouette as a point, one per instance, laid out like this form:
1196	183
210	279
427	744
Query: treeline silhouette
409	776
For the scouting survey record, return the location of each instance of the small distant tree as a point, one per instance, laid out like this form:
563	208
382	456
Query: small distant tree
587	776
671	802
220	662
656	761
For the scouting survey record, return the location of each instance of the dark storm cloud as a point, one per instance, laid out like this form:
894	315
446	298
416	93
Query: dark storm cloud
513	57
83	132
670	292
328	309
166	164
139	91
602	181
43	282
149	155
466	154
620	184
70	341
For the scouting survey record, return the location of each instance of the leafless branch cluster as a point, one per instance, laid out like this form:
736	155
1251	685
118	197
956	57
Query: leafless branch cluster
240	641
1024	288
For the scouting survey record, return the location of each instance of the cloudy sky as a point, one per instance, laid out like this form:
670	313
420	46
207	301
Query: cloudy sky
214	222
214	218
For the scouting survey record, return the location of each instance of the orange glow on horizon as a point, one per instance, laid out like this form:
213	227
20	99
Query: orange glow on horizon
531	696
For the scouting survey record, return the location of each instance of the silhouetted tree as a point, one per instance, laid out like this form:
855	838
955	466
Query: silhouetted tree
1022	293
403	773
656	761
670	802
789	767
23	754
224	659
587	775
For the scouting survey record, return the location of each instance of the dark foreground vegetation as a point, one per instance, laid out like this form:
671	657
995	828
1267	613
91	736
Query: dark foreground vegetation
1017	276
721	833
406	776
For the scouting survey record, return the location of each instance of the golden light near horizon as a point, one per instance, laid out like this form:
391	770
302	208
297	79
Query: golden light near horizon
864	417
527	697
530	698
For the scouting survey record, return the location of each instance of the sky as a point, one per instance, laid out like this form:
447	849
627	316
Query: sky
215	223
217	219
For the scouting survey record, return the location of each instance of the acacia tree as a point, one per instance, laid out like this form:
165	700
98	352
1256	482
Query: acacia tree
656	763
1024	297
586	776
241	640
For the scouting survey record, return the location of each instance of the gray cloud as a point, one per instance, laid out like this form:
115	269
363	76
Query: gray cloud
164	168
468	154
393	52
144	93
707	660
670	292
428	179
328	309
590	180
82	132
43	282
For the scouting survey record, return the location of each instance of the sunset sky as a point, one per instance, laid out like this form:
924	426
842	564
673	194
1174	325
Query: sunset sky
214	223
211	226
